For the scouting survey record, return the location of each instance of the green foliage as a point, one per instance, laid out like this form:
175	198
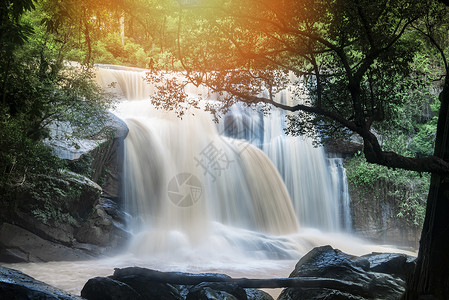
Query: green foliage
13	34
406	188
111	32
20	158
49	197
82	166
110	50
38	89
113	45
102	55
423	142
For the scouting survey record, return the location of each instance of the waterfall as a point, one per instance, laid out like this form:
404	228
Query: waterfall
242	183
302	166
340	188
238	198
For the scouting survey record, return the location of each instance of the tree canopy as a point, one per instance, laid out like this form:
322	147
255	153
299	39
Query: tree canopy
364	63
38	88
359	60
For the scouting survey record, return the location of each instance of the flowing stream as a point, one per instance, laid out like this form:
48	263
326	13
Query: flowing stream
238	197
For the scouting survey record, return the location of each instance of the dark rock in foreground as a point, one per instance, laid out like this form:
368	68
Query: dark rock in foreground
374	276
141	283
323	273
17	285
395	264
216	290
104	288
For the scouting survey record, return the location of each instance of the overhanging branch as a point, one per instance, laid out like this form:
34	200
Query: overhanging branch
298	107
431	164
372	149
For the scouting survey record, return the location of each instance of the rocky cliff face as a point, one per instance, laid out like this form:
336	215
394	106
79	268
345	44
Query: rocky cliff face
376	218
80	219
107	161
375	215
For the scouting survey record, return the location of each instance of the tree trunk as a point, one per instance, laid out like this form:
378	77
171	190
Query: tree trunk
431	276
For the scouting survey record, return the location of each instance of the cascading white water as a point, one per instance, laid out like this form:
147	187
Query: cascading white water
340	188
160	147
302	166
235	185
229	183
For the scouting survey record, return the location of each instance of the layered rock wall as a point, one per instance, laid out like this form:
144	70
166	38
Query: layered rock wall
81	219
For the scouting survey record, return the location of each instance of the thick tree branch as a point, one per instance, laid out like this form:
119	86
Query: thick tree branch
372	149
374	154
431	164
298	107
365	24
371	57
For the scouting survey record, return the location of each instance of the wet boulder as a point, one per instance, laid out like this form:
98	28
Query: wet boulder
396	264
141	282
216	290
255	294
206	293
152	284
104	227
104	288
43	226
350	278
17	285
128	288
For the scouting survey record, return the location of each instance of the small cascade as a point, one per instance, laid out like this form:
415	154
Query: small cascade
235	186
126	83
340	188
302	166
